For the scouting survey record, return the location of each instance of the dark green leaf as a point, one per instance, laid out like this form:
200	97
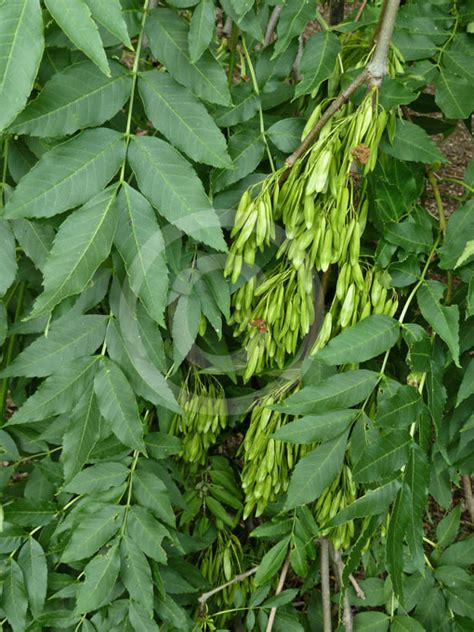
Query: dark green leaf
100	576
74	18
151	492
454	95
109	15
32	561
14	598
447	529
312	428
412	143
148	533
168	35
399	521
293	19
140	619
443	319
201	30
117	404
400	410
371	622
21	49
374	502
185	326
8	265
286	134
383	457
271	562
404	623
318	61
66	340
246	149
79	96
68	175
136	574
315	471
460	229
459	554
172	186
98	478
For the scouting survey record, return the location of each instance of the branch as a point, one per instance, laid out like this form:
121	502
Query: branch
238	578
466	481
373	73
272	22
325	587
358	590
339	567
281	583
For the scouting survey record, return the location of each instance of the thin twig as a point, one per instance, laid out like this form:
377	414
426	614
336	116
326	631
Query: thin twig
325	587
466	481
331	110
358	590
272	22
360	11
339	568
238	578
281	583
298	58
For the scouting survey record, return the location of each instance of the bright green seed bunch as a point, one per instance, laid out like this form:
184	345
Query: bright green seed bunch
268	462
203	402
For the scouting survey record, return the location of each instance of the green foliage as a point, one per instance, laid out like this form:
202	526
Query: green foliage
210	362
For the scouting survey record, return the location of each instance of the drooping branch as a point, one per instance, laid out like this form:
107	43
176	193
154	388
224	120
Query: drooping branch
281	583
238	578
373	73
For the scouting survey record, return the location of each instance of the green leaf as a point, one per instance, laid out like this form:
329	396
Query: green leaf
201	30
66	340
28	513
148	533
58	393
459	554
374	502
383	457
82	434
14	598
404	623
394	93
74	18
466	389
21	49
136	574
447	529
32	561
286	133
82	243
160	445
100	577
454	95
79	96
363	341
293	19
412	143
336	392
182	119
400	410
98	478
417	478
35	238
140	619
118	405
318	61
185	326
399	521
168	36
152	493
443	319
460	228
109	15
92	532
140	243
3	322
68	175
315	471
312	428
271	562
172	186
245	106
371	622
246	149
8	265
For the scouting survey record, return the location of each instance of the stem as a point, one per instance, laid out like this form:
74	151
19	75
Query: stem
378	66
360	11
234	35
260	111
339	567
466	481
272	22
9	353
355	585
238	578
325	588
281	583
373	73
442	224
136	63
4	171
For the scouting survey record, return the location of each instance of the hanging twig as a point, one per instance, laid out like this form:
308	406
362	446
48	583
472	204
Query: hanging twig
374	72
466	481
281	583
272	22
238	578
358	590
325	587
360	11
339	568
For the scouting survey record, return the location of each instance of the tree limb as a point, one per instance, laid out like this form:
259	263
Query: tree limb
466	481
325	587
272	22
238	578
281	583
339	568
